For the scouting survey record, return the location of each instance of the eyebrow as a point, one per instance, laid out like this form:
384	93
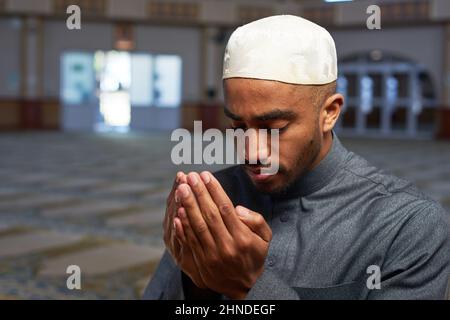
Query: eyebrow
275	114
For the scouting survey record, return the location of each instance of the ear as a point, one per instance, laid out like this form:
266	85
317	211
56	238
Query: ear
331	110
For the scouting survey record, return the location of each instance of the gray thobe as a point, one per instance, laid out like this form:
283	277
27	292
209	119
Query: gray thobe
337	230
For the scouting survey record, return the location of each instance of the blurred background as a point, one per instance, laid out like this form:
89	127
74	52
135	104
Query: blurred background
86	117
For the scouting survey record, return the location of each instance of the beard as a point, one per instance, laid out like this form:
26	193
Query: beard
286	177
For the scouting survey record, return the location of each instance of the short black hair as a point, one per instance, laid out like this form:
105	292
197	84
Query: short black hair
323	92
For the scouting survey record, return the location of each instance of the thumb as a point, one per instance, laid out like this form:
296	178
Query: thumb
255	222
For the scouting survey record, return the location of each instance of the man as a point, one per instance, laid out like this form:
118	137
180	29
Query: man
327	225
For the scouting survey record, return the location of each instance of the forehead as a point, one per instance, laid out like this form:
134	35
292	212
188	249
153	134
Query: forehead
260	96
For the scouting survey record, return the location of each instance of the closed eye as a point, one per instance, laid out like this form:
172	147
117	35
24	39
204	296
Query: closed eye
239	127
280	129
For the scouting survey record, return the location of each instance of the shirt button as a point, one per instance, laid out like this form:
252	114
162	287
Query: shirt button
271	262
284	217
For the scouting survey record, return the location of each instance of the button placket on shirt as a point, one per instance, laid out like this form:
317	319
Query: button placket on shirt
284	209
281	212
284	217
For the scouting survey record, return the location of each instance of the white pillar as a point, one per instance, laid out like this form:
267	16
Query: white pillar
365	101
389	100
415	102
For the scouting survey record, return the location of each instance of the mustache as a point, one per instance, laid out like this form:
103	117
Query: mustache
259	165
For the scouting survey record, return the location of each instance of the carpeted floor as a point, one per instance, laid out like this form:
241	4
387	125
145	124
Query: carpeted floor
98	201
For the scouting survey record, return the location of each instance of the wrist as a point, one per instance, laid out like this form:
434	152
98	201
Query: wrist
192	292
238	295
241	294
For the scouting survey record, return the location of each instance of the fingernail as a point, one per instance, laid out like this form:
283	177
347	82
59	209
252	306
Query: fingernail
177	198
184	191
205	177
180	175
193	179
181	213
174	226
243	212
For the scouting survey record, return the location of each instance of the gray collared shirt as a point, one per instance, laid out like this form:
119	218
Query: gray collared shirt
338	230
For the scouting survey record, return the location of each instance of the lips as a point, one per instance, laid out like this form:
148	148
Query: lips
256	175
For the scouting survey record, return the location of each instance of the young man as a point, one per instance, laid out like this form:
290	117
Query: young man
327	224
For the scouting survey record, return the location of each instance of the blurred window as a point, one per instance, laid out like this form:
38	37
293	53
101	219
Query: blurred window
167	81
77	78
150	80
141	87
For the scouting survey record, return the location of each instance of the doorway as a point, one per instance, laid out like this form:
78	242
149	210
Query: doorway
100	90
113	75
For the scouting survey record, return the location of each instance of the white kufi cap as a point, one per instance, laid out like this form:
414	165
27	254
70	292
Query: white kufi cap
284	48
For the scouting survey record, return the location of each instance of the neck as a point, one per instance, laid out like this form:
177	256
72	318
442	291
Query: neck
326	146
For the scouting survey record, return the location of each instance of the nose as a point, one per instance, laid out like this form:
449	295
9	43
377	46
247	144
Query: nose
257	147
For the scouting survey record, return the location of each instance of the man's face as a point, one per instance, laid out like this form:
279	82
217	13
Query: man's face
261	104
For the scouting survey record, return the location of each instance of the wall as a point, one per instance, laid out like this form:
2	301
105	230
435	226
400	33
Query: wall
10	61
184	42
57	40
422	44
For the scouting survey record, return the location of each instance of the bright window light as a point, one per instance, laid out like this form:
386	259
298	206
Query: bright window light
167	85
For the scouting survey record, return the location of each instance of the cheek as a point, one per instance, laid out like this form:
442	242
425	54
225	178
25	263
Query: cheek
298	146
293	149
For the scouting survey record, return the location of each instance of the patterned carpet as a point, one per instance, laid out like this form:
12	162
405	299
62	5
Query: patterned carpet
97	201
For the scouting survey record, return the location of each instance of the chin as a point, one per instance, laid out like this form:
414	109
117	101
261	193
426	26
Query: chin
270	185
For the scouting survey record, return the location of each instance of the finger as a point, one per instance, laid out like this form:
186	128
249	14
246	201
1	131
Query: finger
171	208
196	221
170	198
178	179
220	198
175	243
179	232
181	178
208	209
191	238
255	222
